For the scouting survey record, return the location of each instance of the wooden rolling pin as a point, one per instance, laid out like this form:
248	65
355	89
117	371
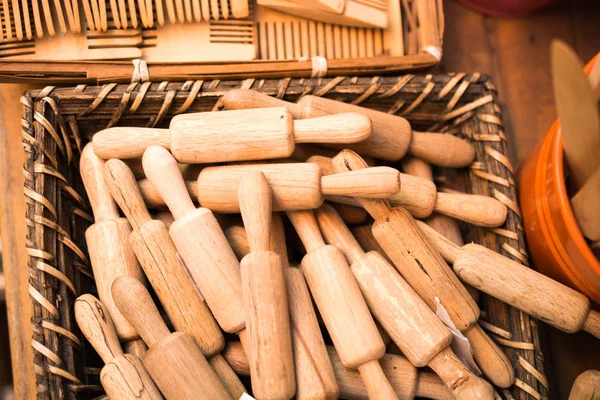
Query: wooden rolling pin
108	241
444	224
391	138
427	272
420	197
406	380
340	303
294	186
232	135
315	378
411	324
123	376
265	297
521	287
200	242
174	360
586	386
168	276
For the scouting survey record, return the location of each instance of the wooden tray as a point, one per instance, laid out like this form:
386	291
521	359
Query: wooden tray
57	122
268	45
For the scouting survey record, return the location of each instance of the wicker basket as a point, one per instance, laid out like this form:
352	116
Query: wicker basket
58	122
419	47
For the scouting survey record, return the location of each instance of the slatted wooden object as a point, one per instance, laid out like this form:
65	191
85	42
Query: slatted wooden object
266	43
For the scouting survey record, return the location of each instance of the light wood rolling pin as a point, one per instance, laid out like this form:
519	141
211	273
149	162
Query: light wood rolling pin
427	272
407	381
108	241
123	375
420	197
294	186
521	287
586	386
315	378
237	135
265	297
174	360
391	139
342	306
199	240
411	324
168	276
202	245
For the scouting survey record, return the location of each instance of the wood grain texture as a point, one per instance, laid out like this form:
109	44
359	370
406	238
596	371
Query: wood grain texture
443	150
314	373
474	209
107	240
422	266
158	257
174	360
586	386
293	185
342	306
265	296
523	288
246	134
200	241
121	142
123	376
391	134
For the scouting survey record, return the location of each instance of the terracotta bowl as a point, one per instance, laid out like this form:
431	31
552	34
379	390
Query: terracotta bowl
556	244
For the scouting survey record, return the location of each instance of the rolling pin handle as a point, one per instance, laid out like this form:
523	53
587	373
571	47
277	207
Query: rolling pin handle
91	168
255	198
123	187
592	324
136	304
162	170
348	160
305	223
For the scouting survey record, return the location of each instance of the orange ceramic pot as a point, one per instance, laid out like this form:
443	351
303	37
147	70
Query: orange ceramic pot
556	244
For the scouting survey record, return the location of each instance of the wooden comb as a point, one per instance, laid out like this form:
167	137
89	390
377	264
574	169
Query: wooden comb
212	41
113	44
359	13
284	37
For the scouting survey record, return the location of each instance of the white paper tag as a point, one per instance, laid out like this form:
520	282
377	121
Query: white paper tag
460	344
246	396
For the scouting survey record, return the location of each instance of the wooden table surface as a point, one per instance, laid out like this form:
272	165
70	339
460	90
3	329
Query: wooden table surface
515	51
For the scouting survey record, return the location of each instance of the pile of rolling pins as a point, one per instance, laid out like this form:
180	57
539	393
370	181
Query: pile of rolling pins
194	298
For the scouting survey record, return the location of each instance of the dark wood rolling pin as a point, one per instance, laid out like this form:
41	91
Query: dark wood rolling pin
420	197
265	297
108	243
521	287
391	139
174	360
407	381
315	377
158	257
427	272
342	306
123	375
411	324
240	135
